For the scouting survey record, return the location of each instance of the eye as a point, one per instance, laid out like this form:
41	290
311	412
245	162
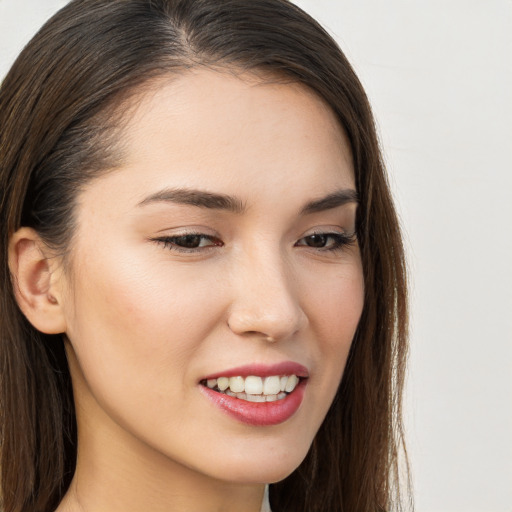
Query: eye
189	242
326	241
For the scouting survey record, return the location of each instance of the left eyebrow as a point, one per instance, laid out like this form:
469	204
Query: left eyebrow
338	198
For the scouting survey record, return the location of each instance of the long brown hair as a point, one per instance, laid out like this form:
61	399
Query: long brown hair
60	109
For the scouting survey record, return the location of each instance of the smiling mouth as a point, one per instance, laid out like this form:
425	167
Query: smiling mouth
253	388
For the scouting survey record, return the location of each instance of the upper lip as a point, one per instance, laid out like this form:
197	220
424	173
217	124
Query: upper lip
262	370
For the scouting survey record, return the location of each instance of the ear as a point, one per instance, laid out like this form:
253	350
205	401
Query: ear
37	281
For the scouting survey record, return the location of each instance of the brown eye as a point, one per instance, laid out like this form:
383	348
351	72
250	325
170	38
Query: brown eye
316	240
191	242
327	241
188	241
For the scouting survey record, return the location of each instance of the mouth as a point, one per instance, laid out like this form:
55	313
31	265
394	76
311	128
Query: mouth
254	388
258	395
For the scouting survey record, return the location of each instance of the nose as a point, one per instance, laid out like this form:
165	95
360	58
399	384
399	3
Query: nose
266	299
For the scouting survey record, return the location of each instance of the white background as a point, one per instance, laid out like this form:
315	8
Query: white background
439	75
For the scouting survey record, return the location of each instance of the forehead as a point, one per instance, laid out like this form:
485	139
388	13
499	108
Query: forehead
205	115
244	135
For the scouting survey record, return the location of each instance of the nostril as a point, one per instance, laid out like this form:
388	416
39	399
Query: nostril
270	318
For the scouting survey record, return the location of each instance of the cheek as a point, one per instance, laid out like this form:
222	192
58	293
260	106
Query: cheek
134	330
337	308
335	311
134	316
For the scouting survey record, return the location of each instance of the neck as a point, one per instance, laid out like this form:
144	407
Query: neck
112	495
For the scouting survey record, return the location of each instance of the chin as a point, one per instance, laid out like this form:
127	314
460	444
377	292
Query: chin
270	467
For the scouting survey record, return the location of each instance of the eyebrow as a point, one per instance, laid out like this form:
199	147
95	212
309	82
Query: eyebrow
215	201
338	198
199	198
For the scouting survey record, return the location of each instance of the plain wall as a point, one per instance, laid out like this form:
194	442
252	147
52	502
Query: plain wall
439	75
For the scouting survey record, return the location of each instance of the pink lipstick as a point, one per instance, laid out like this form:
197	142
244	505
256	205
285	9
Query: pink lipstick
259	395
284	368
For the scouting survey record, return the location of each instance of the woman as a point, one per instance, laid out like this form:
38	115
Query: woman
203	285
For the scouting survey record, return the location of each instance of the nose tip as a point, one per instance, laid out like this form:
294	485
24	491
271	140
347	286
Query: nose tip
271	312
272	326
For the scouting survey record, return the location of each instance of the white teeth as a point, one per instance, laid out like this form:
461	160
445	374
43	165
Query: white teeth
253	385
255	398
237	384
271	386
293	380
223	383
254	388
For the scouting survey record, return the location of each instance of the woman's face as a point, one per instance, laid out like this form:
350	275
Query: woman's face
222	248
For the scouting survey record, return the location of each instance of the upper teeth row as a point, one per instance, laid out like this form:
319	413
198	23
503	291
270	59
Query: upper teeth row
254	385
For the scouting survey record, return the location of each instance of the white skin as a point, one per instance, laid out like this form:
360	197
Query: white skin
146	322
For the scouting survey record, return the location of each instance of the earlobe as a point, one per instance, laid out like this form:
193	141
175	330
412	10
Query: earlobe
35	282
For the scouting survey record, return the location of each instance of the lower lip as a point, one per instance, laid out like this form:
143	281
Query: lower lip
258	413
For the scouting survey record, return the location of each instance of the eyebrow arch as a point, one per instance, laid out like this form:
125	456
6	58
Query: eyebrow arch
199	198
338	198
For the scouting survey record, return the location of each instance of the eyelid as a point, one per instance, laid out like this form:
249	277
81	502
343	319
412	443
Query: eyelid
341	240
328	230
335	231
169	241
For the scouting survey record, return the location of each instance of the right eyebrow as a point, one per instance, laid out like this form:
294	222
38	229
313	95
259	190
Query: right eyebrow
338	198
199	198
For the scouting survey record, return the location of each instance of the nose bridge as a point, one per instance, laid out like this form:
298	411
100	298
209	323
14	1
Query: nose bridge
265	294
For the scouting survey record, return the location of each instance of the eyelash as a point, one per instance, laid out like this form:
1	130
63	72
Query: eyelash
170	242
340	241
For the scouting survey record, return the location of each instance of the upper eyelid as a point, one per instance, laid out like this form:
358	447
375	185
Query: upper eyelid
169	243
324	232
314	231
342	235
330	231
186	230
183	235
